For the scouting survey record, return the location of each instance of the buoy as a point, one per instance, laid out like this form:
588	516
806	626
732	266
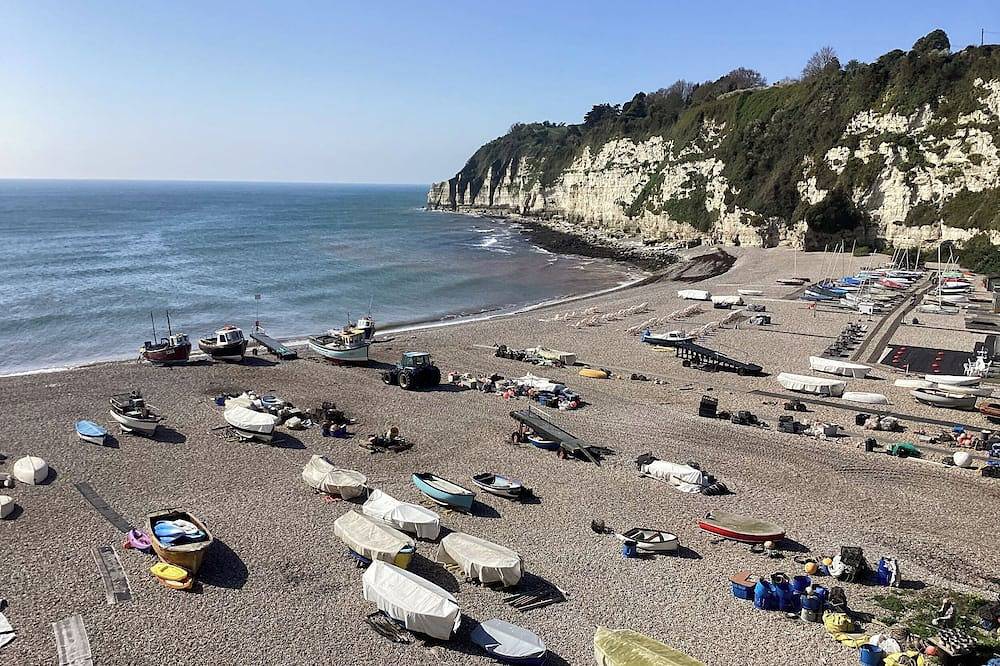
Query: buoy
769	545
827	561
810	568
962	459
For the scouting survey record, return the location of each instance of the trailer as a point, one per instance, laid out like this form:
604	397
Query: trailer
702	357
273	346
568	444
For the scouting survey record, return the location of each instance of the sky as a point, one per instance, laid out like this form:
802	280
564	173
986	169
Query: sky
389	92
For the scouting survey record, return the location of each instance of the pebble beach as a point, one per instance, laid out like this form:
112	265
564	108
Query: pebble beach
277	588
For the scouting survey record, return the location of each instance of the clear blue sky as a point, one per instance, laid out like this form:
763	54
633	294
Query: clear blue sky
380	92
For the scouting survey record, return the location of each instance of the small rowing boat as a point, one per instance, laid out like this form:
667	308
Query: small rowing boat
443	491
179	538
944	398
741	528
88	431
651	541
498	485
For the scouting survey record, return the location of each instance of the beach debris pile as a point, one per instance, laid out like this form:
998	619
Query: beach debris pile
536	356
708	408
390	440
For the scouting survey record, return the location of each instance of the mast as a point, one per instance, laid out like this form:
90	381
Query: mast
170	331
153	321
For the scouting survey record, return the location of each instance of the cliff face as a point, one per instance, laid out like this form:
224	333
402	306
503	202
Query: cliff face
879	153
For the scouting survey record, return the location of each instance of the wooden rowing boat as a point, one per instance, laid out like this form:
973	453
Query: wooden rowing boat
186	555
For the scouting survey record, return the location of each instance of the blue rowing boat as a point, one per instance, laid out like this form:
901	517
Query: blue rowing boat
443	491
89	431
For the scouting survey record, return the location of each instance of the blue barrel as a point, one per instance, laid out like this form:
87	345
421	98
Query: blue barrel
629	548
871	655
220	400
810	602
787	599
800	583
822	593
764	597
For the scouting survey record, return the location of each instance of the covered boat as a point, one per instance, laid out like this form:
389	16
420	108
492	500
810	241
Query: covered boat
88	431
668	339
481	560
566	358
623	647
418	604
250	424
411	518
816	385
741	528
694	295
31	470
834	367
914	383
501	486
865	398
184	543
727	301
443	491
322	475
651	541
943	398
957	380
684	478
133	414
509	643
540	383
348	346
373	539
228	344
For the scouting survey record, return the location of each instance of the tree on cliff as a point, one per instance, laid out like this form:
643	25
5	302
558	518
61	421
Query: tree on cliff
819	61
936	40
600	113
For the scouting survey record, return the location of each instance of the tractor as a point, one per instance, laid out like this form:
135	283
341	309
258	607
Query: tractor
415	370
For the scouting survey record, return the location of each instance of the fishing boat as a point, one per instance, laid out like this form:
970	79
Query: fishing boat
623	647
498	485
373	539
944	398
186	541
865	398
914	383
694	295
133	414
320	473
88	431
415	602
480	559
741	528
509	643
348	346
955	380
175	348
366	326
443	491
834	367
410	518
815	385
250	424
228	344
651	541
668	339
31	470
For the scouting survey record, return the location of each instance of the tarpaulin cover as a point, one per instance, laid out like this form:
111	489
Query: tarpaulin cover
685	478
419	604
320	474
411	518
629	648
481	559
369	537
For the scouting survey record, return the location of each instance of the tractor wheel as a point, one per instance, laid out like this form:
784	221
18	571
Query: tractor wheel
406	380
686	363
388	378
433	377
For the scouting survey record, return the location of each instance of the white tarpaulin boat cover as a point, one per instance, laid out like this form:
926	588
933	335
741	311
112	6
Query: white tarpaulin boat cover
694	295
835	367
481	559
419	604
250	420
320	474
540	383
866	398
686	479
411	518
369	537
807	384
727	300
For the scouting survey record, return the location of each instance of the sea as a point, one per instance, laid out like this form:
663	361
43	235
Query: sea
85	263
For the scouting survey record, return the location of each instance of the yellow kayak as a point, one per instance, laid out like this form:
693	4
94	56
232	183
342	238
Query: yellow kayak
593	373
622	647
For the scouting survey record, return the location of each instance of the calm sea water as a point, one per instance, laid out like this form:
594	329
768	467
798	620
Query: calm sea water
85	262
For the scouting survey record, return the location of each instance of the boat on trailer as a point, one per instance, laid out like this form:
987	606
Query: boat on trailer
651	541
741	528
348	346
228	344
444	492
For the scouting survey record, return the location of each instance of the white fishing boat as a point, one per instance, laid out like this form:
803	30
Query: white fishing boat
480	559
956	380
31	470
865	398
373	539
694	295
651	541
416	603
227	344
808	384
349	346
250	424
943	398
835	367
133	414
321	474
411	518
668	339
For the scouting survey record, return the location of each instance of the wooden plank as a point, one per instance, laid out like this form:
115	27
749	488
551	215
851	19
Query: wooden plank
273	346
72	642
103	508
116	587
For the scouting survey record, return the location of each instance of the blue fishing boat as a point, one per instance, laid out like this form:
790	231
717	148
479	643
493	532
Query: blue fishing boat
443	491
509	643
89	431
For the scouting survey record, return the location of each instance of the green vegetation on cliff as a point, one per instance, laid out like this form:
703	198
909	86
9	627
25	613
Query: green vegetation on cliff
770	133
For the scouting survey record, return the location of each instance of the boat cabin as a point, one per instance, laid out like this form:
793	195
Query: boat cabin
228	335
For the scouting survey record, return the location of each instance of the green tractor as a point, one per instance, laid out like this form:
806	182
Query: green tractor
415	370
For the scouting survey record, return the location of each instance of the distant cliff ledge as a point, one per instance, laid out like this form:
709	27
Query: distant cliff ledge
901	151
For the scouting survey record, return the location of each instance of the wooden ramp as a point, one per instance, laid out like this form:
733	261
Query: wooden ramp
705	357
545	428
273	346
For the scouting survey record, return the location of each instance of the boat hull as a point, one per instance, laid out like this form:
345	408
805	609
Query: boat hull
740	528
90	432
135	425
500	486
166	355
351	355
950	401
189	555
233	351
445	497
